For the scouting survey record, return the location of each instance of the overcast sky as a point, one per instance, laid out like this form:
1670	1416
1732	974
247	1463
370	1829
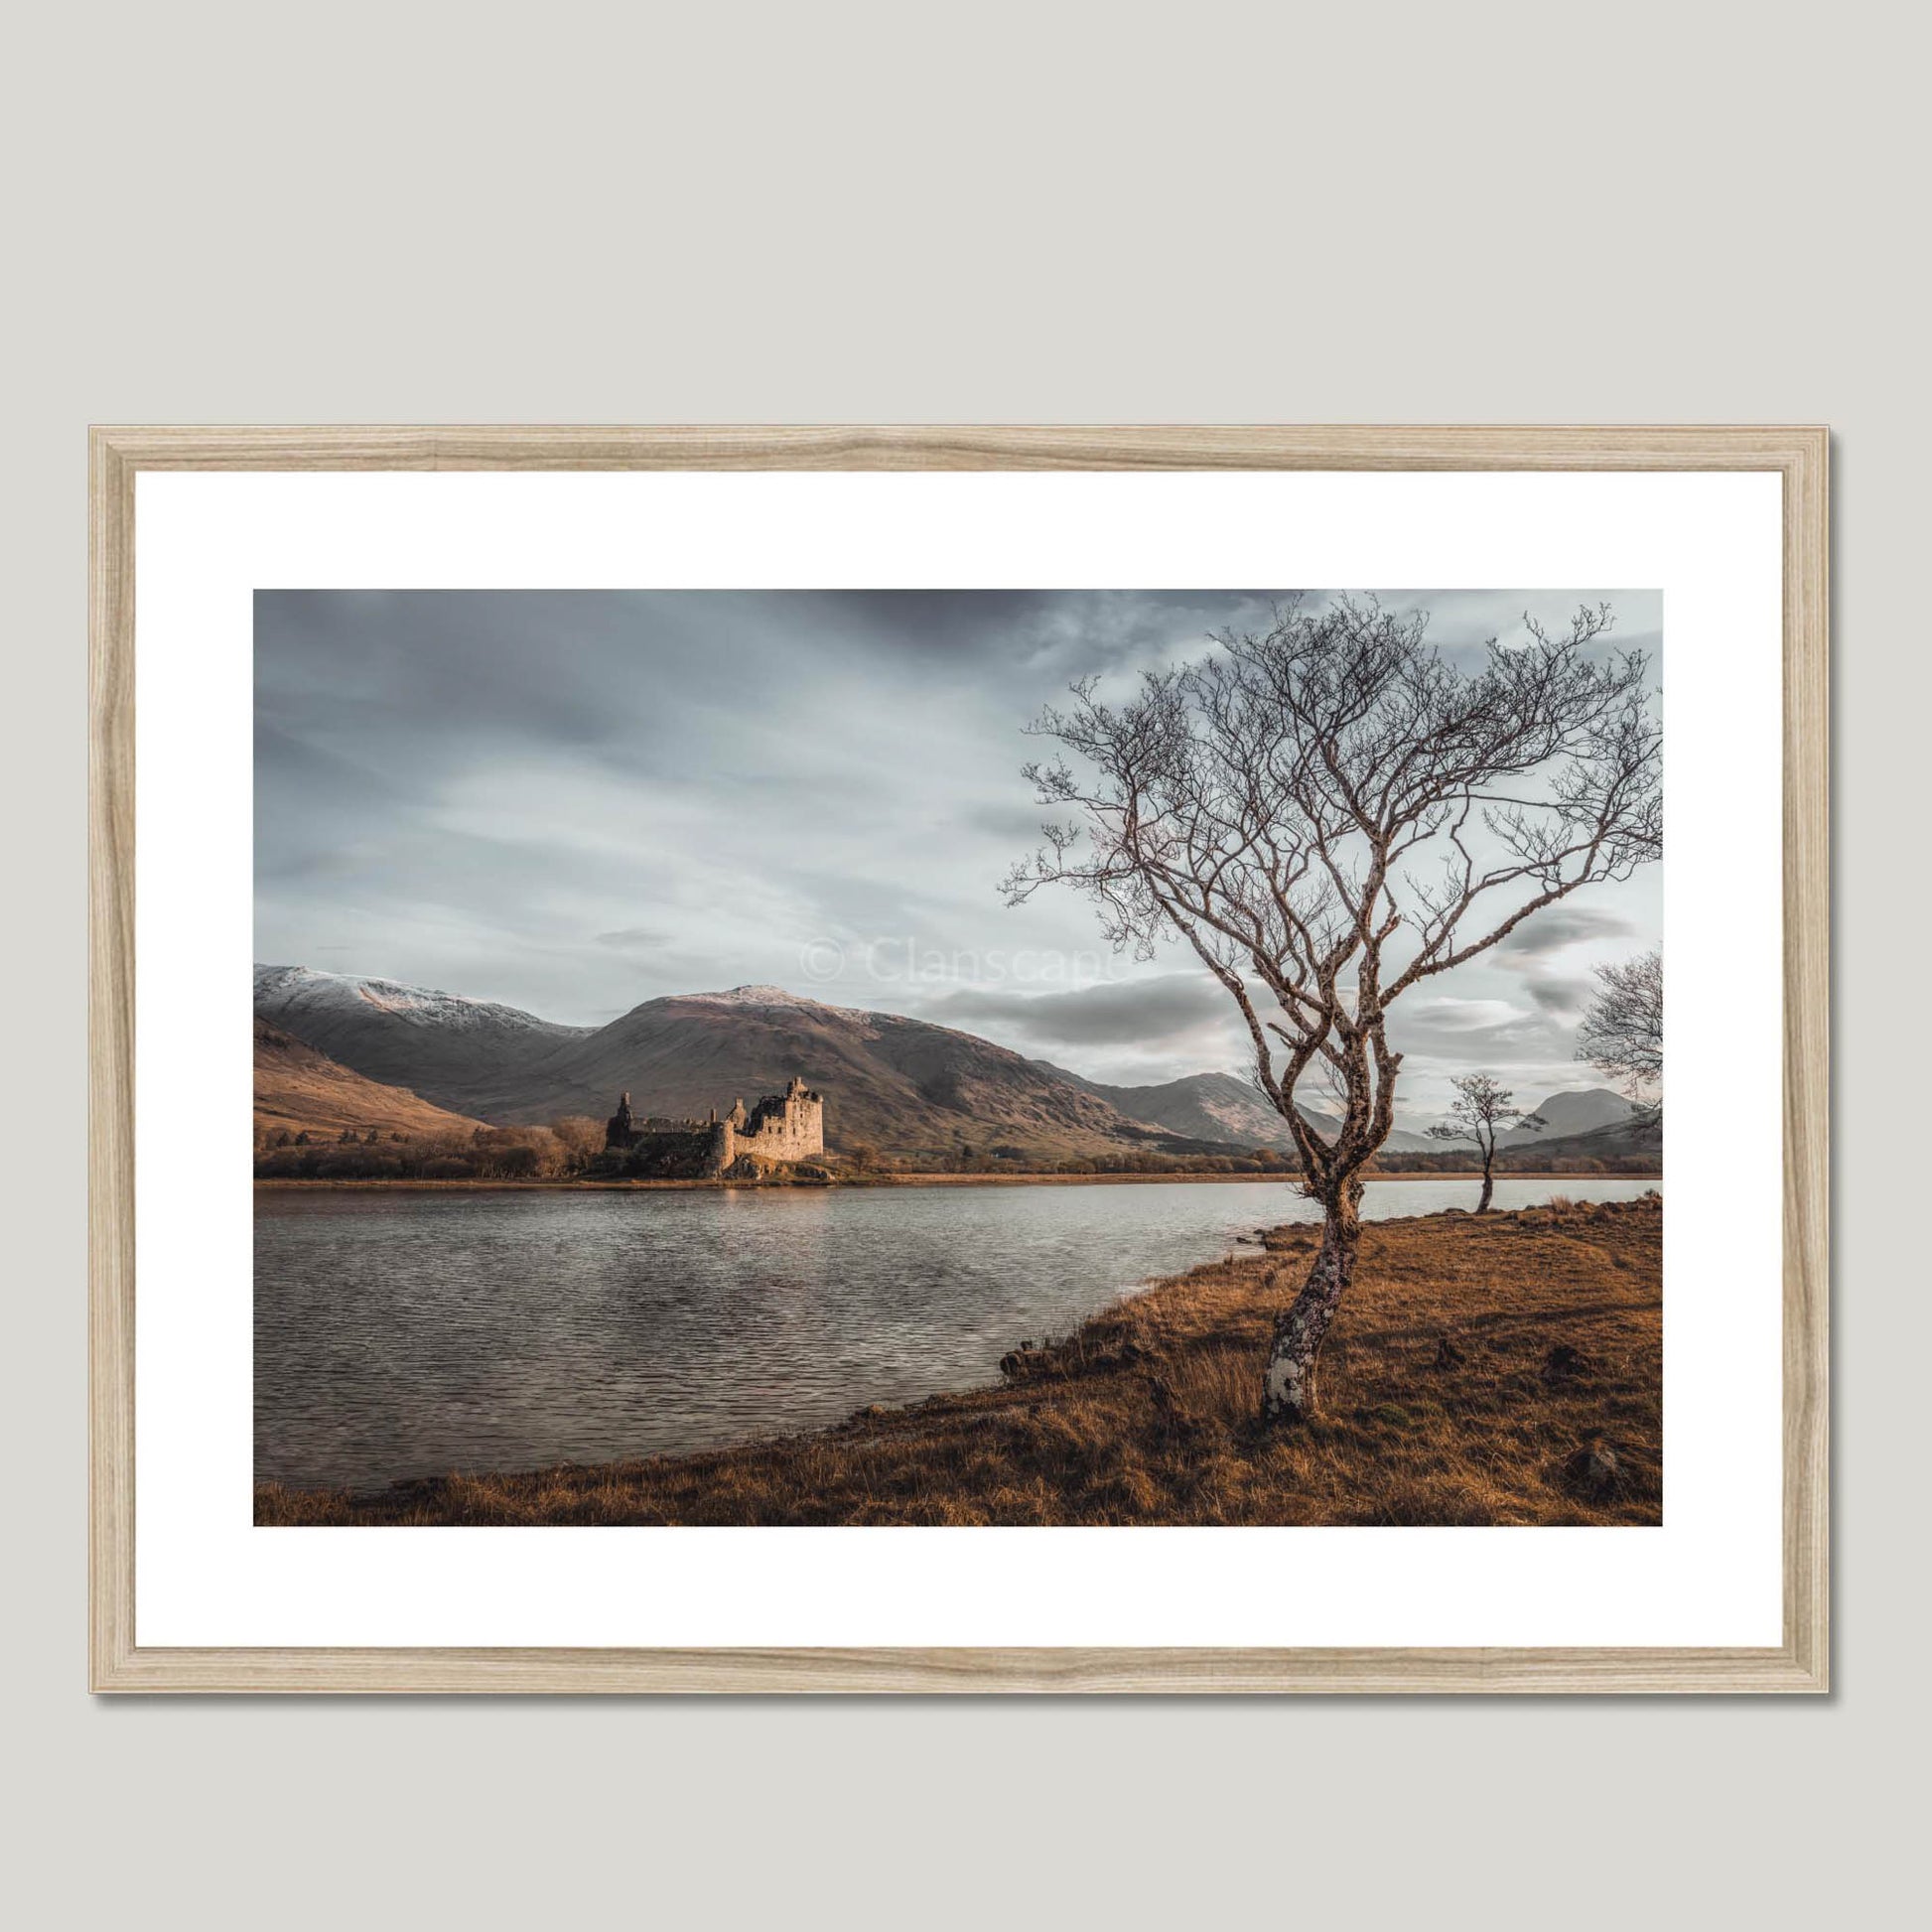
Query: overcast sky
574	801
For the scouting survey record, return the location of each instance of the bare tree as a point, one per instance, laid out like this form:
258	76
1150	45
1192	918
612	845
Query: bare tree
1479	1111
1330	814
1622	1033
581	1139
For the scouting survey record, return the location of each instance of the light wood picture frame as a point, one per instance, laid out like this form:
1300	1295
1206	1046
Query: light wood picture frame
1798	454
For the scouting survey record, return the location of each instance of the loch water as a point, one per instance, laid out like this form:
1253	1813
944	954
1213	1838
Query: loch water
401	1333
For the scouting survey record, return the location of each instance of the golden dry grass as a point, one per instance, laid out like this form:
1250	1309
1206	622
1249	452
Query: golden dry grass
300	1090
1553	1320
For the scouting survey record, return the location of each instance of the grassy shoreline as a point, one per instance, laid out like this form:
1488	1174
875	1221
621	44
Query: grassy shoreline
1495	1369
582	1184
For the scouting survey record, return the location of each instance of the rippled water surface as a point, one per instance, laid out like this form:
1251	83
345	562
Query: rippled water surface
403	1334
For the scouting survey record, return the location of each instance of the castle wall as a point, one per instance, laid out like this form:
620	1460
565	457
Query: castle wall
681	1154
783	1126
791	1129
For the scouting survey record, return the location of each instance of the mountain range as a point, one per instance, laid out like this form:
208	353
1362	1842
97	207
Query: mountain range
898	1084
905	1087
1219	1107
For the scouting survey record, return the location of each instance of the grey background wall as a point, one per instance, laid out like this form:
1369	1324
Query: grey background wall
479	212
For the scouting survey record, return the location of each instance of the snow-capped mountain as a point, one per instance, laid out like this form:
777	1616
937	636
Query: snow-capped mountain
453	1050
302	989
905	1086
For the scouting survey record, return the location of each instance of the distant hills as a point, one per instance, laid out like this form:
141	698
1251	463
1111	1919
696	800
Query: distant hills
901	1086
1634	1135
1218	1107
300	1090
905	1087
1565	1115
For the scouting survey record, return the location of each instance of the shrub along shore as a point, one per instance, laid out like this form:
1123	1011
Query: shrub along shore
1496	1369
909	1178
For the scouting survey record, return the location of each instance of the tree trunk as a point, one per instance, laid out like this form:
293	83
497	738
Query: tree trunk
1288	1385
1488	1189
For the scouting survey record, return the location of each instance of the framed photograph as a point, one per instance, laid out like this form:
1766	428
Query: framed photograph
1006	1059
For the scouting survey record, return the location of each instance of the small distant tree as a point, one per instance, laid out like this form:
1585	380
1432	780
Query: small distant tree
1480	1112
1622	1033
1331	813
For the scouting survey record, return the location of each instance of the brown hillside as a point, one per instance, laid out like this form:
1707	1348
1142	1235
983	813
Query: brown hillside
298	1089
900	1084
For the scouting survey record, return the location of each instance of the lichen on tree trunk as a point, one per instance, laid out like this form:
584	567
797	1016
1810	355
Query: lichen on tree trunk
1288	1384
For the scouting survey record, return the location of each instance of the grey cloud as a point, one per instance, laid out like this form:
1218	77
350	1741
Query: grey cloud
1473	1029
1557	927
1558	992
1129	1013
1071	630
573	801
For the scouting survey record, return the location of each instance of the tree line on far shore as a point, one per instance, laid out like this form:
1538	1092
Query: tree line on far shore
562	1151
1266	1160
573	1150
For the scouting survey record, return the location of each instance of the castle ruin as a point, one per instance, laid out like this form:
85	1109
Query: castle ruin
783	1128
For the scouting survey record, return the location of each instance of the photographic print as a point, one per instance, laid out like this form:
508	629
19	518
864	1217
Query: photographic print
959	1057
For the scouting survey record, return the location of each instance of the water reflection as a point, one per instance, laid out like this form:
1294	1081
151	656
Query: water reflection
404	1334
